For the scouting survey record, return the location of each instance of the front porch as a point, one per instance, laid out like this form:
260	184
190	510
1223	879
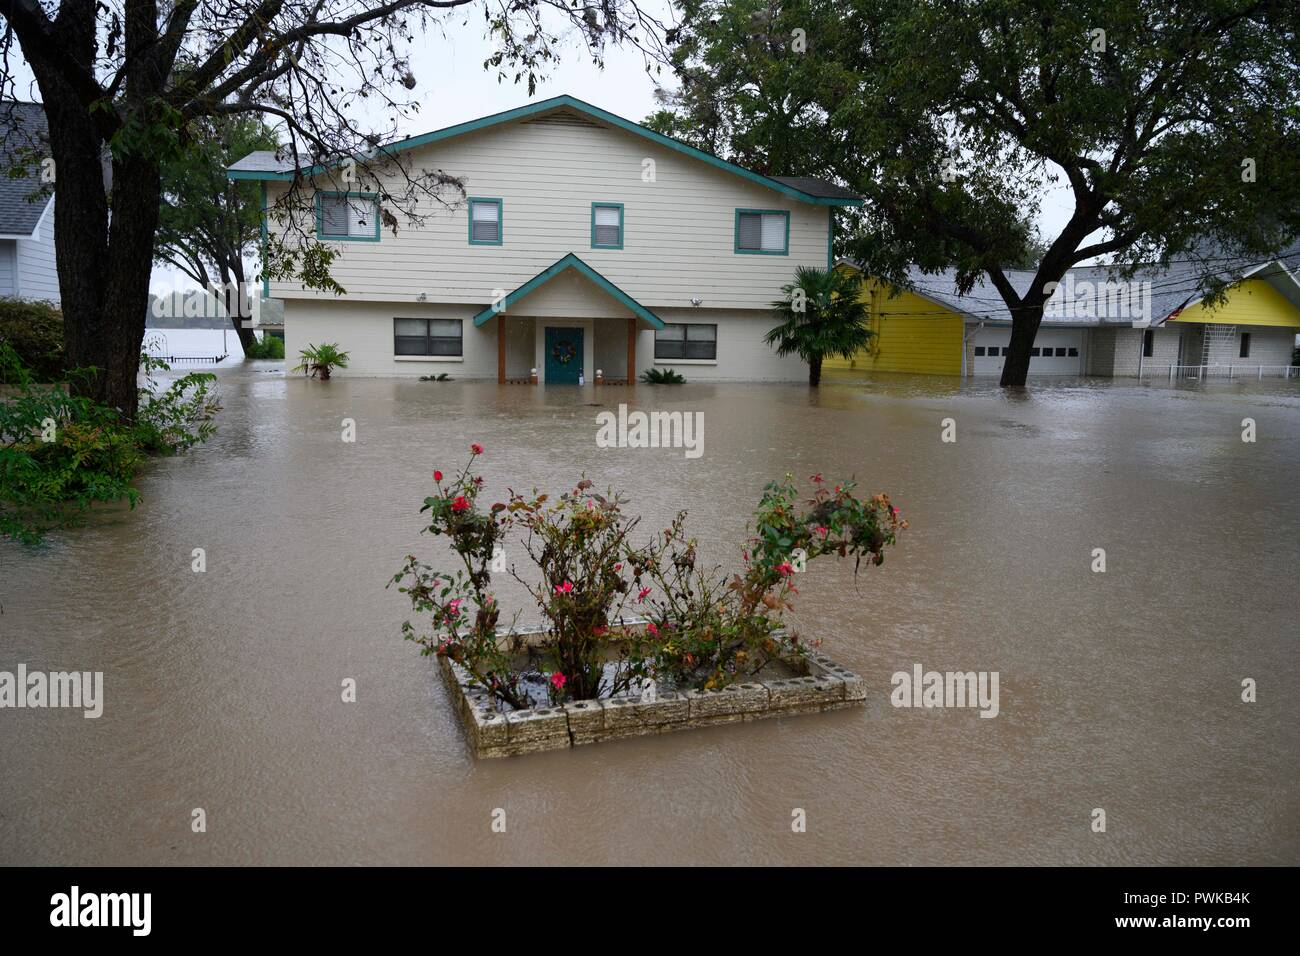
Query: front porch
568	325
534	350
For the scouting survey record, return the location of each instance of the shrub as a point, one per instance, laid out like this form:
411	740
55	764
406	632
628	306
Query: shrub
60	454
267	347
34	330
705	629
321	360
662	376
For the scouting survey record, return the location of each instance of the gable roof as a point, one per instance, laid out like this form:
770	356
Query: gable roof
1173	288
23	129
266	164
563	265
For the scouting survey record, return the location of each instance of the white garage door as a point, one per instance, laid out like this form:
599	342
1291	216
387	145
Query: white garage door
1055	352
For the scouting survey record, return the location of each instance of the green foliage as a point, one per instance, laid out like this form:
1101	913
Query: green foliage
822	315
34	330
662	376
705	630
61	454
954	121
321	360
709	631
210	222
268	347
440	377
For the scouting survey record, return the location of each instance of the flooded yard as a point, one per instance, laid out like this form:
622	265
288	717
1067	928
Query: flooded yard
1118	690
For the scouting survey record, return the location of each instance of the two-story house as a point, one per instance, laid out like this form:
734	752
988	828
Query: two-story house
27	269
587	243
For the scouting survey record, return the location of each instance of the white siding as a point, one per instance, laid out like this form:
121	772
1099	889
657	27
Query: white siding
7	268
678	230
365	330
38	277
743	356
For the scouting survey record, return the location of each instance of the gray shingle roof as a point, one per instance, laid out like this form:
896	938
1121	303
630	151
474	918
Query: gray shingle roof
1171	289
263	161
816	187
24	136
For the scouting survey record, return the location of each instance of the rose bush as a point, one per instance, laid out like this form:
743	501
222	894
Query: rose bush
706	628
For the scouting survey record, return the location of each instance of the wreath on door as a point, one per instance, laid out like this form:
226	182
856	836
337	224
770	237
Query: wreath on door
563	351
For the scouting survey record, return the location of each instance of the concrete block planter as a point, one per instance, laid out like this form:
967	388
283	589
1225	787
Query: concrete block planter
491	733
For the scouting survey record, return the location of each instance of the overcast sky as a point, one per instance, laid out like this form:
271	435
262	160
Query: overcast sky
454	87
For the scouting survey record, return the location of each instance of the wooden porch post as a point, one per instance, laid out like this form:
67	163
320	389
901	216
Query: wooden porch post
631	350
501	348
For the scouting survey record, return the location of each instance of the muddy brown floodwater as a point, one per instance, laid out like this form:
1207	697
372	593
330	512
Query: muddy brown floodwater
1119	690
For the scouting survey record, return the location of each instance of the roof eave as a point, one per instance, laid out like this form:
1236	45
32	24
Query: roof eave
571	261
557	102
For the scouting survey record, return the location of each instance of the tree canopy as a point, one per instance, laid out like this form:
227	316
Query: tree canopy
1172	127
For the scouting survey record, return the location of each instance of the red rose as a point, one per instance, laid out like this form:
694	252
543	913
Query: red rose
476	448
437	476
460	503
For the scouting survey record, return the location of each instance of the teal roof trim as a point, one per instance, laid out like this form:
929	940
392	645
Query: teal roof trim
572	262
557	102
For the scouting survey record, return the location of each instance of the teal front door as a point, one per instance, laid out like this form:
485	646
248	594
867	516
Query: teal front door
563	356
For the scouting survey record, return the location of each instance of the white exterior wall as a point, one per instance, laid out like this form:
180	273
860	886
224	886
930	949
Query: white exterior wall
743	356
38	277
1269	346
365	330
7	255
27	268
679	230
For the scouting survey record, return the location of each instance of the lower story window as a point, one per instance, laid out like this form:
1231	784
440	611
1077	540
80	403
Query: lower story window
1245	345
427	337
686	341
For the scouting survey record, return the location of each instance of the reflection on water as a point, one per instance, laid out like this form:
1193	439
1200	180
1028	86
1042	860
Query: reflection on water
1118	690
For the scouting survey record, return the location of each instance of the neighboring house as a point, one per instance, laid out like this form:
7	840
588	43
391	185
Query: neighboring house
587	243
1095	324
27	269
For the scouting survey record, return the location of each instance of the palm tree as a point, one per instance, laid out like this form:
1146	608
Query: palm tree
822	315
321	359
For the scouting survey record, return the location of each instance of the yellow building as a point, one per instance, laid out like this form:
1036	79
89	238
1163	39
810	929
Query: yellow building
1152	324
912	334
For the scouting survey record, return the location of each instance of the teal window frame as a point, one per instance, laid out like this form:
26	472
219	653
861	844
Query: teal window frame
320	218
761	252
607	205
501	220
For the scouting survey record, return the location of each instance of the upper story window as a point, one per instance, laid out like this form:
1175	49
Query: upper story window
686	341
347	216
763	232
484	222
607	225
427	337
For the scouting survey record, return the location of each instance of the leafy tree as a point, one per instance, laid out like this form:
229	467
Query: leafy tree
208	223
123	81
822	315
1173	128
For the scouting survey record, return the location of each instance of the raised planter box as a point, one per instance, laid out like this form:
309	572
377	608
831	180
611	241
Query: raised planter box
492	733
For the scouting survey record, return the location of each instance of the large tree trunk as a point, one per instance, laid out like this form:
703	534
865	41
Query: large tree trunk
104	262
815	371
1024	328
232	284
